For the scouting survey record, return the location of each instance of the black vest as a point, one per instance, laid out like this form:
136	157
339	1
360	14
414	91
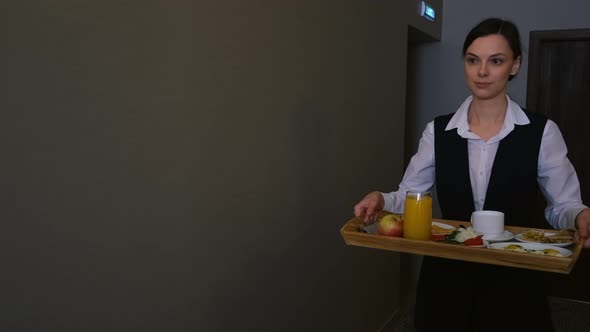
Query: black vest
513	186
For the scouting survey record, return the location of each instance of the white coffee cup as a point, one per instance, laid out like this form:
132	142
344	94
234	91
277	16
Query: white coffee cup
488	222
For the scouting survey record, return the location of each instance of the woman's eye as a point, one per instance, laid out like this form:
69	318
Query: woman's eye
471	60
497	61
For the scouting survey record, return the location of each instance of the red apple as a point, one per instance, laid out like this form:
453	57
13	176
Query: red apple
391	225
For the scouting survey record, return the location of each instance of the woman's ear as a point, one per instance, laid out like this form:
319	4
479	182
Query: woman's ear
516	66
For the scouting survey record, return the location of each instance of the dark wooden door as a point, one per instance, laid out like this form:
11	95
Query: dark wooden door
559	87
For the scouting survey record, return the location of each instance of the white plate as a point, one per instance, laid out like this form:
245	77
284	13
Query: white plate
530	246
504	236
520	237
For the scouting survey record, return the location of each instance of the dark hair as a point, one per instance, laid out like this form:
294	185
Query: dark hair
496	26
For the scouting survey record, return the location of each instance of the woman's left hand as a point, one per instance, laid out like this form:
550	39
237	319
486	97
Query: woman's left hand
583	226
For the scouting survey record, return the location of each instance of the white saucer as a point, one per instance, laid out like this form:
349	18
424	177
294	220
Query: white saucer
504	236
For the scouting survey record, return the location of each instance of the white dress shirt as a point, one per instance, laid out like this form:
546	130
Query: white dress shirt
555	174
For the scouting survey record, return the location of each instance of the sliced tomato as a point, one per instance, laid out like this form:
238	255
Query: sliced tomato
438	237
474	241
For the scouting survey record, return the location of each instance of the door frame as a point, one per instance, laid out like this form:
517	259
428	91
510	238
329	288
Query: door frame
536	39
564	286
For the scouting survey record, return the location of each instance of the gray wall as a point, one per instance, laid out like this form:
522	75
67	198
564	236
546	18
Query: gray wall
179	166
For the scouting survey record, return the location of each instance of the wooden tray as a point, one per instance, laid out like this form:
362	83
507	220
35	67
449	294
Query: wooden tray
353	236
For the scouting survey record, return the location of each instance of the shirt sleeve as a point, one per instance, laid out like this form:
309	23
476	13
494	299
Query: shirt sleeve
419	175
558	180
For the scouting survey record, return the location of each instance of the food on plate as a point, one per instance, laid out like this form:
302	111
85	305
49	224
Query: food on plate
546	251
438	237
475	241
562	236
436	229
461	235
514	247
551	252
391	225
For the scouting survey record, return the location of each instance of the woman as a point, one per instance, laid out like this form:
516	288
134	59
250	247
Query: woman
492	155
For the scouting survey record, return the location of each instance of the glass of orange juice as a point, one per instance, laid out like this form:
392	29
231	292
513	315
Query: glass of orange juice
418	215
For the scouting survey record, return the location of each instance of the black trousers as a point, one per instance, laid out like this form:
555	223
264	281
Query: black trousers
462	296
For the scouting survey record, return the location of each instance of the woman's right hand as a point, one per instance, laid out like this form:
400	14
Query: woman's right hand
369	206
583	227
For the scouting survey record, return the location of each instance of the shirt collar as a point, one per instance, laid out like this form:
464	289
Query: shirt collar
514	116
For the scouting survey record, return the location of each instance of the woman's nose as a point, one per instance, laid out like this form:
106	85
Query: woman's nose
483	69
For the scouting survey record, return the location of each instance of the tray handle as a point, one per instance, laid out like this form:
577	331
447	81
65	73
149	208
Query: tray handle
577	251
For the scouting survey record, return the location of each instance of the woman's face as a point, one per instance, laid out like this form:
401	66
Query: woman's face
489	62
